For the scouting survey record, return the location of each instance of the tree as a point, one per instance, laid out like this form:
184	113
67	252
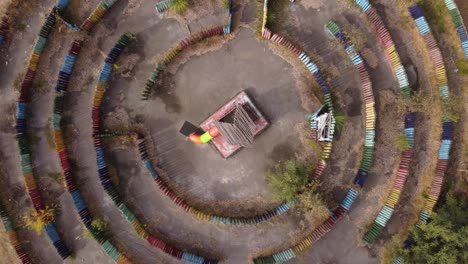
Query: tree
288	178
444	239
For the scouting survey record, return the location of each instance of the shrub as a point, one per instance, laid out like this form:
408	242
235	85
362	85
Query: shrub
402	143
179	6
98	229
37	220
462	66
356	36
312	201
288	179
277	12
99	225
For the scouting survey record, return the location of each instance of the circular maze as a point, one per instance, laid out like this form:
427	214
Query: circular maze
141	131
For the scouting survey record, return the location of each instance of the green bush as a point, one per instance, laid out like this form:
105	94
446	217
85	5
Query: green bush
444	239
462	66
258	18
99	225
340	120
277	12
452	108
179	6
312	201
225	3
435	12
402	143
288	179
392	249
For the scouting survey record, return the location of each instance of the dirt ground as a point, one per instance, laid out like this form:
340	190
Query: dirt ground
195	85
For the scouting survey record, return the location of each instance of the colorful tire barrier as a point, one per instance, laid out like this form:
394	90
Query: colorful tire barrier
169	56
12	235
164	5
406	156
350	196
284	207
403	171
366	163
314	70
369	101
318	233
21	130
458	21
97	14
442	83
387	43
103	171
4	26
446	138
80	205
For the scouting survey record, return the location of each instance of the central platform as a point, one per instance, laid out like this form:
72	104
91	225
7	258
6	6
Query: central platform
225	112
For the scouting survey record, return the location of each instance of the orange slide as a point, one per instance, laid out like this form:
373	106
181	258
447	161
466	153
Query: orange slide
205	137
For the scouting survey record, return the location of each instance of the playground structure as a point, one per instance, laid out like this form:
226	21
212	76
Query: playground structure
231	127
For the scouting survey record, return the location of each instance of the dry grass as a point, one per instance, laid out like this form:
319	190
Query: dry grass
294	237
421	101
50	136
357	36
121	142
58	177
17	82
391	249
198	49
7	252
404	17
277	14
258	19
